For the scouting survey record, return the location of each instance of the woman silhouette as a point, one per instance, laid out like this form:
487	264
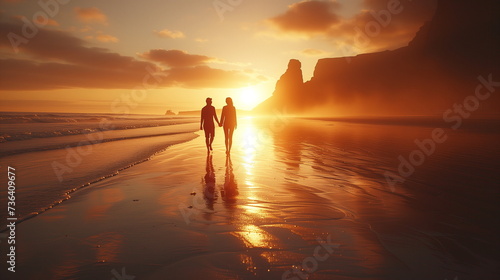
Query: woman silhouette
229	122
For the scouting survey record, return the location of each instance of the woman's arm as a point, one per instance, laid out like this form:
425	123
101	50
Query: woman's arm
235	119
215	116
223	116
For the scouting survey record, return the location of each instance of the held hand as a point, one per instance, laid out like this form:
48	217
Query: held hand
201	128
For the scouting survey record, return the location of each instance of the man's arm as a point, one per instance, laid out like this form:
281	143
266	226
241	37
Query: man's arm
201	120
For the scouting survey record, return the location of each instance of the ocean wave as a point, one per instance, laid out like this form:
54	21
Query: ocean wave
26	126
69	141
26	135
23	118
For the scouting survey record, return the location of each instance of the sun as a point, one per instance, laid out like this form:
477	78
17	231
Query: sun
249	96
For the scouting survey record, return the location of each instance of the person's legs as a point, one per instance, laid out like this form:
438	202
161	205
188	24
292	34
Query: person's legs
212	136
228	134
230	138
226	137
208	135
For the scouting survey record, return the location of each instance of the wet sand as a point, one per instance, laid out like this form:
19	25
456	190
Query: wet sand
297	199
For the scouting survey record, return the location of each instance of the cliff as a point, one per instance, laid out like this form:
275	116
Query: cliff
438	68
289	87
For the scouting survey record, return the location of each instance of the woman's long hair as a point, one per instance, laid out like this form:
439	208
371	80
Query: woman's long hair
229	101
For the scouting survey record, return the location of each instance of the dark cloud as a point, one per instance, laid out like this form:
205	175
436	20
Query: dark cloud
61	46
56	60
385	24
308	16
207	77
381	24
176	58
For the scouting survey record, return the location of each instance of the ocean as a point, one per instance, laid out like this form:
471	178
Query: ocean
55	154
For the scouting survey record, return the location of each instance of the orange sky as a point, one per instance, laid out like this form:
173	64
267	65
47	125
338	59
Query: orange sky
148	56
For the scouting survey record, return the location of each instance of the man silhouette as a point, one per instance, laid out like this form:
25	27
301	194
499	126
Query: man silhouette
207	123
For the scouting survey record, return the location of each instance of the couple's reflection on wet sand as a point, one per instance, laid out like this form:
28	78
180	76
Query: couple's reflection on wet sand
209	193
228	192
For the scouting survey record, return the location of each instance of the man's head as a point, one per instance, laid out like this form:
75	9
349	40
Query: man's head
209	101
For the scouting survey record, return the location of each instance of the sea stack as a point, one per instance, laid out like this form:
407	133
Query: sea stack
288	91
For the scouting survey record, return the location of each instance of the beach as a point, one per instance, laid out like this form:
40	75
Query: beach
366	140
296	199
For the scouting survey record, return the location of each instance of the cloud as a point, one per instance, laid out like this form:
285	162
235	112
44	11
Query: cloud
51	45
206	77
379	25
91	15
165	33
33	75
176	58
106	38
377	28
190	70
55	59
314	52
308	16
86	29
44	21
40	21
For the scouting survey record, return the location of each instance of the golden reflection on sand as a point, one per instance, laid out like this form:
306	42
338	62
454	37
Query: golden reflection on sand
255	237
249	264
103	201
252	147
107	246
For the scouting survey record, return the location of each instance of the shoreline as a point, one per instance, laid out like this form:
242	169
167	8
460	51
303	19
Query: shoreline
74	187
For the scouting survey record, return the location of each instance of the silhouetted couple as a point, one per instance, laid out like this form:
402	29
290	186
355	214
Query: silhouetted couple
227	120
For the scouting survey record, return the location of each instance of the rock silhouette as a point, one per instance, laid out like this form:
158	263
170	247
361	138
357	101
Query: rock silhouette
438	68
290	85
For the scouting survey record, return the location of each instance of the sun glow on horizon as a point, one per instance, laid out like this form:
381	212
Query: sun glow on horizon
249	97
